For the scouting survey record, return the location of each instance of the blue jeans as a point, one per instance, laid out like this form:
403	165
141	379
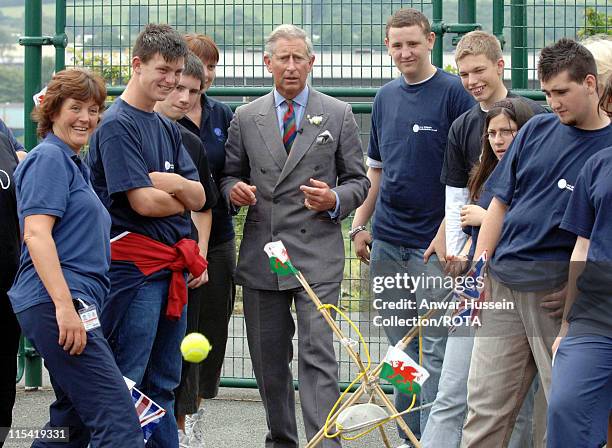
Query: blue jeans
147	350
447	415
388	260
92	399
580	397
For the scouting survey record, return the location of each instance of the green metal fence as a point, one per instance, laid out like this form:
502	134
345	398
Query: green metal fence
351	64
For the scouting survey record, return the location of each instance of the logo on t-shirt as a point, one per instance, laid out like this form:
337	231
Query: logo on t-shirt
563	185
417	127
5	180
169	166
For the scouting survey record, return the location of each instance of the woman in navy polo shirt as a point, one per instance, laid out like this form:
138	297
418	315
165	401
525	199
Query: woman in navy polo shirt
62	277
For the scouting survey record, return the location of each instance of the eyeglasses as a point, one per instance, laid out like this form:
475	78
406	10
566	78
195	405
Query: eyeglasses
504	133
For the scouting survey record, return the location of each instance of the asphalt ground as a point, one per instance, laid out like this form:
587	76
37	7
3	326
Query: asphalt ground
234	419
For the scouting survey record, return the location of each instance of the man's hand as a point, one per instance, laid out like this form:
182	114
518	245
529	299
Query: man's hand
438	247
196	282
456	265
243	194
555	302
319	197
72	334
168	182
472	215
361	243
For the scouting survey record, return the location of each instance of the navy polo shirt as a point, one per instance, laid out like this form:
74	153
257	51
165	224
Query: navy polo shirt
589	215
535	179
53	181
215	121
410	124
128	144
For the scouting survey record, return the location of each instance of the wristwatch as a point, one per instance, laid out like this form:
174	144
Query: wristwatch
354	231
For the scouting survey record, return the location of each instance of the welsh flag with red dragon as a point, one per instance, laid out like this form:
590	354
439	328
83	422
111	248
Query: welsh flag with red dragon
403	372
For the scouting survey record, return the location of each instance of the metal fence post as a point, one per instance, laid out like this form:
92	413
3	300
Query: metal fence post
437	55
466	11
518	19
32	64
498	21
60	30
32	84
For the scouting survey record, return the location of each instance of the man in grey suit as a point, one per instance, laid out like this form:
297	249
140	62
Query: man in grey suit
294	158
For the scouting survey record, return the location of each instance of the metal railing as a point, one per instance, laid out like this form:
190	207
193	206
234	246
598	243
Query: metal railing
351	64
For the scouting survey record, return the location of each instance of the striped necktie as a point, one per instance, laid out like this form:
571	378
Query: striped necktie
289	127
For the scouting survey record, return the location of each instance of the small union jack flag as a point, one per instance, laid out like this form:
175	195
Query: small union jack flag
470	290
149	412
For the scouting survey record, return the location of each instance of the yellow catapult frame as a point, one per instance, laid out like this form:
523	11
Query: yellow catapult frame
368	376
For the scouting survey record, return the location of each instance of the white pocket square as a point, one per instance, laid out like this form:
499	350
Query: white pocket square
324	137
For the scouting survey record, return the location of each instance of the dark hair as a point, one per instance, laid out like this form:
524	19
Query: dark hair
606	97
408	17
566	54
203	46
514	109
194	68
162	39
76	83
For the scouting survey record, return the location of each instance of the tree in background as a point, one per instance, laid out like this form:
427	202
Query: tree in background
595	23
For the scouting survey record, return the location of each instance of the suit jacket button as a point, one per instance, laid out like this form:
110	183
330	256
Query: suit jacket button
316	167
276	201
303	230
275	233
263	170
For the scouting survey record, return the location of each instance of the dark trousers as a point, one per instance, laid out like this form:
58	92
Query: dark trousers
215	312
270	329
9	335
92	399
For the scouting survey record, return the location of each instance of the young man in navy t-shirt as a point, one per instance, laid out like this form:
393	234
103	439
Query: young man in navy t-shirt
530	253
174	107
411	116
147	180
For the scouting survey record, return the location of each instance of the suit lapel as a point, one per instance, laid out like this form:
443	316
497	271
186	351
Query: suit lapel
268	127
308	134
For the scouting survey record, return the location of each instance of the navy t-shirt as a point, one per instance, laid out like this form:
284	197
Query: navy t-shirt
589	215
197	152
410	125
215	121
535	179
465	143
53	181
9	225
4	129
127	145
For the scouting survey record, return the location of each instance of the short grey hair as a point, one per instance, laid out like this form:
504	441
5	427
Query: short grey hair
287	31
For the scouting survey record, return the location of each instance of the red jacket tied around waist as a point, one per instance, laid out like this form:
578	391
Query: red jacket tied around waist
150	256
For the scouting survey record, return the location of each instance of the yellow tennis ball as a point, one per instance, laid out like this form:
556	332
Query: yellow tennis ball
195	347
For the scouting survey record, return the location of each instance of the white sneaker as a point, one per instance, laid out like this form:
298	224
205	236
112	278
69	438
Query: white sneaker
196	434
405	445
183	439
